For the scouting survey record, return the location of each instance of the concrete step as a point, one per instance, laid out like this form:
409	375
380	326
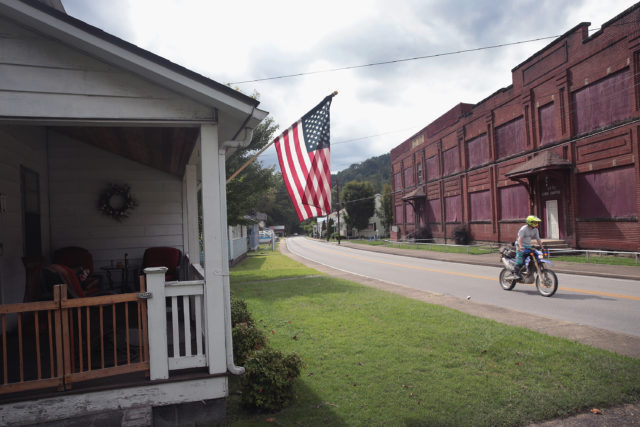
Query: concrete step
554	244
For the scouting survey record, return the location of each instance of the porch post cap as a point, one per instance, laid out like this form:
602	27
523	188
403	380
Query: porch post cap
155	270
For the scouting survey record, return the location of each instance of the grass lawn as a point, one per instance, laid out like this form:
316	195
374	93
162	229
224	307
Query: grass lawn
375	358
473	250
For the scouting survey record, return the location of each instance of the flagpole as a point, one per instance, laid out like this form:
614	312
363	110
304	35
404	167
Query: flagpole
252	159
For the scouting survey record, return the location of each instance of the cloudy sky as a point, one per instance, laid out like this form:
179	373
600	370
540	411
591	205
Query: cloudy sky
378	107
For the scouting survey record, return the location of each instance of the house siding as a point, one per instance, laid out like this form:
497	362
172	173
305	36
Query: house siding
78	172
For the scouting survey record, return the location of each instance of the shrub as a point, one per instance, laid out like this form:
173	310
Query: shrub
424	233
246	339
461	235
267	384
240	312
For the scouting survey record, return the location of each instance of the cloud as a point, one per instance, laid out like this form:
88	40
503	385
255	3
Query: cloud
235	41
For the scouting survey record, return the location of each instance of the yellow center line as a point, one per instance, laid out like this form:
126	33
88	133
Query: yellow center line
473	276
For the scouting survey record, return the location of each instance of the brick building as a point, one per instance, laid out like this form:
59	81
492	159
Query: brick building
560	142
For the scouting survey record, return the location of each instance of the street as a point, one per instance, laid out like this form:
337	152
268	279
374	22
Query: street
610	304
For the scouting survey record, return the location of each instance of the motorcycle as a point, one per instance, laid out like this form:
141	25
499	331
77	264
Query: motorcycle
535	269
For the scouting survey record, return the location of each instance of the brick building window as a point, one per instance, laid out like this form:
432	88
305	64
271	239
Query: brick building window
411	215
602	103
409	180
450	161
514	202
609	193
419	172
547	120
480	205
397	181
453	208
433	169
510	138
478	150
433	211
398	217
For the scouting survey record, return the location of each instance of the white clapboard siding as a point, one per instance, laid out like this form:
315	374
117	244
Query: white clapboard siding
26	147
43	78
79	172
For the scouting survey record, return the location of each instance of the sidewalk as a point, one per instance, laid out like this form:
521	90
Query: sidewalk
598	270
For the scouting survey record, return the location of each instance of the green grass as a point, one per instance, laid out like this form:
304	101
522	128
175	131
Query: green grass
472	250
596	259
374	358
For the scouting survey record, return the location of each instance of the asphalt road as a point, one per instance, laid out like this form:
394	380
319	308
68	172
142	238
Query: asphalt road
605	303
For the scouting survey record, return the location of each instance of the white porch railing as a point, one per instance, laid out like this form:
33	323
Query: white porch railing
176	324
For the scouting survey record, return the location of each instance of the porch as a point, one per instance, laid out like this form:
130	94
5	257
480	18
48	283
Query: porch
94	111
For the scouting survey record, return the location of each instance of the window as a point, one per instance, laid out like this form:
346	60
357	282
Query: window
419	172
514	202
433	170
478	150
399	217
453	208
408	177
450	161
480	205
510	138
397	181
547	119
411	216
609	193
433	211
605	102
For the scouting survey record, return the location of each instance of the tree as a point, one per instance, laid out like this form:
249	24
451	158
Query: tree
359	203
276	203
386	207
246	190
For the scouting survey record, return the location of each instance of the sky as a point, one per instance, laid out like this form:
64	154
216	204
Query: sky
377	107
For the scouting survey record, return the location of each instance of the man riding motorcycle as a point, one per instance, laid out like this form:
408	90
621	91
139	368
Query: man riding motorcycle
523	242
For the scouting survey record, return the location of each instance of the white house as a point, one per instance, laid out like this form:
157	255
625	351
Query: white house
79	109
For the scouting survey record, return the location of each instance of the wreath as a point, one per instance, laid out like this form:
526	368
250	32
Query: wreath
116	201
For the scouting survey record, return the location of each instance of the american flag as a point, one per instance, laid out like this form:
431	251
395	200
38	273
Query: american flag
303	152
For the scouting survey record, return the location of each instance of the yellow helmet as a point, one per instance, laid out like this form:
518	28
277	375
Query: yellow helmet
533	221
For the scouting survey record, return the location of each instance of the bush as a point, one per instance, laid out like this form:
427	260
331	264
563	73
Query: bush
424	233
246	339
267	384
240	312
461	235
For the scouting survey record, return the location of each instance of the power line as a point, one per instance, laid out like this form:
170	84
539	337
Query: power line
394	61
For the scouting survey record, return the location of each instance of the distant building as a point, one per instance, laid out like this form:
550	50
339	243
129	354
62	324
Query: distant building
375	229
561	142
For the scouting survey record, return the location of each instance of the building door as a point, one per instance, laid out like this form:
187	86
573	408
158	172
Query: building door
553	230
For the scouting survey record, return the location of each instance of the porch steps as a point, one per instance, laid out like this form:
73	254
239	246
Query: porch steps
555	244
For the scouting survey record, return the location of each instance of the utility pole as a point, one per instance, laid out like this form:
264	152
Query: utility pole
338	193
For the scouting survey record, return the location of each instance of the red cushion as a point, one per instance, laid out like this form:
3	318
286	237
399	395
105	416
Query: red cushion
162	257
74	257
69	277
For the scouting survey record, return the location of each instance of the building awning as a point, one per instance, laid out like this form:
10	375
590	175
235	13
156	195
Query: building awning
418	193
543	162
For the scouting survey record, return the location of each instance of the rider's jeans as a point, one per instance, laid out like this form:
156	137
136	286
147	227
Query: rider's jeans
520	255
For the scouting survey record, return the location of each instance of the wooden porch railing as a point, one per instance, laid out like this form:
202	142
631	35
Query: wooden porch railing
59	342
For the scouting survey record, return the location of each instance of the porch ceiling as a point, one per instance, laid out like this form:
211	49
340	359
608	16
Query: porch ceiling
164	148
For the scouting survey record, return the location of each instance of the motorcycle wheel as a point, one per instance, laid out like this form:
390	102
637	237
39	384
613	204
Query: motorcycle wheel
547	284
507	285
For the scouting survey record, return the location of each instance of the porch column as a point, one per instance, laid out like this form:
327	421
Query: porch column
190	214
216	258
157	324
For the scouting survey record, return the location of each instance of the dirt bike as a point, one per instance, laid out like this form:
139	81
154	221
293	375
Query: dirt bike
535	269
